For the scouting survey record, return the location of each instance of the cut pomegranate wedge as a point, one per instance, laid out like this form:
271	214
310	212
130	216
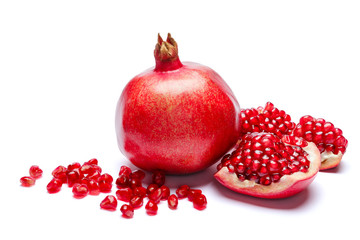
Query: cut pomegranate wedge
267	166
329	139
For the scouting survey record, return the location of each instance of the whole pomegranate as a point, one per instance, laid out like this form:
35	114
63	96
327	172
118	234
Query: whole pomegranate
176	117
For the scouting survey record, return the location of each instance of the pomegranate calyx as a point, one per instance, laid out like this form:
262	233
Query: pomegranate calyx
166	54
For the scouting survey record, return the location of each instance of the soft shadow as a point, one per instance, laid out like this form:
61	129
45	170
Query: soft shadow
338	169
286	203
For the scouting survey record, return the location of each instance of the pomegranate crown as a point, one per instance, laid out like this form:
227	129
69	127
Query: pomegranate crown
166	54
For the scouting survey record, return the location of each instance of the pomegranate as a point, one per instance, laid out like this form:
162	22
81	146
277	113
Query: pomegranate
27	181
329	139
267	166
176	117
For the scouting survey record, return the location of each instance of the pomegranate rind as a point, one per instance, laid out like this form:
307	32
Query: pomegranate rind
330	160
287	186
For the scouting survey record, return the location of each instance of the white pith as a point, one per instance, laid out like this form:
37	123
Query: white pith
330	160
285	183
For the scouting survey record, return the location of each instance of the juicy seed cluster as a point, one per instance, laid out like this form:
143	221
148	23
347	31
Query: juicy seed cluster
267	119
264	158
322	133
83	179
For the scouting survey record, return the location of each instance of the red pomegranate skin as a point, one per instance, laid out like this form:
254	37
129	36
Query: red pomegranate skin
177	117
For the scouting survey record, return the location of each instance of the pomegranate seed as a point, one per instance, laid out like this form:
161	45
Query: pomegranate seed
193	193
93	161
93	187
200	202
139	191
158	177
127	211
151	188
109	203
138	174
27	181
35	172
106	177
136	202
151	208
156	195
105	187
124	194
73	177
54	185
80	190
182	191
165	192
73	166
173	201
60	173
135	182
122	181
125	170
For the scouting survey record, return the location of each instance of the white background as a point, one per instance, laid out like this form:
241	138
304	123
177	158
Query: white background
63	65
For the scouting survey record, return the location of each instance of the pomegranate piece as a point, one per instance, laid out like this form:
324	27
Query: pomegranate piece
54	185
73	166
106	177
73	177
182	191
80	190
151	207
139	191
156	195
125	170
179	111
173	201
165	192
199	202
138	174
27	181
158	177
193	193
122	181
60	173
266	119
127	211
93	161
136	202
104	186
151	188
35	172
264	166
93	187
124	194
329	139
109	203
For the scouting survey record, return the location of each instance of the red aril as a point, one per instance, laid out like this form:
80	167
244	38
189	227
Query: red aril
127	211
54	185
60	173
158	177
199	202
156	195
80	190
264	165
173	201
165	192
182	191
192	193
104	186
151	207
109	203
93	187
266	119
124	194
35	172
176	117
136	202
329	139
27	181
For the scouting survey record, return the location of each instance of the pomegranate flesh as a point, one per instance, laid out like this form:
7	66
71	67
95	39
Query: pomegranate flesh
178	117
329	139
267	166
